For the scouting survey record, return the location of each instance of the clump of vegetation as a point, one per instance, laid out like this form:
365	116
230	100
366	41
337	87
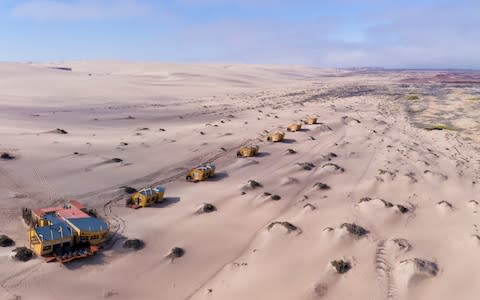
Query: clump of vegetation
368	199
365	199
5	241
355	229
402	209
312	207
176	252
207	208
61	131
443	202
328	229
440	127
287	225
335	166
427	266
321	186
7	156
306	166
330	156
412	97
341	266
403	244
423	266
133	244
252	184
23	254
383	172
275	197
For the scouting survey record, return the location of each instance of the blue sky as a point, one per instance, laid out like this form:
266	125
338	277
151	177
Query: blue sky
327	33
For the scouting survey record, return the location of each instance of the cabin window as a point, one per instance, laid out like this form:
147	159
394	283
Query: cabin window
94	237
46	248
83	239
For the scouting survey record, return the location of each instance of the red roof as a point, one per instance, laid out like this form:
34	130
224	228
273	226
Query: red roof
71	213
77	204
75	210
41	211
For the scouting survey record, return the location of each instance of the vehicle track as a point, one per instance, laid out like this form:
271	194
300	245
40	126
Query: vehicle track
18	278
384	270
44	185
116	223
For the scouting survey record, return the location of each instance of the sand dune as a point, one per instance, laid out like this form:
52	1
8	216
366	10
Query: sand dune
361	205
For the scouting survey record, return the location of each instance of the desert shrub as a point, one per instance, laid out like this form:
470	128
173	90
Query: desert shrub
6	156
133	244
5	241
412	97
354	229
23	254
207	208
440	127
287	225
341	266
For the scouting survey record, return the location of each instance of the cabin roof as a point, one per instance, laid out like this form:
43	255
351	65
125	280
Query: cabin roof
71	213
71	210
88	224
42	211
54	232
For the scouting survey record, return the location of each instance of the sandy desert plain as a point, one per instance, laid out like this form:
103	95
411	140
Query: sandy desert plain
367	184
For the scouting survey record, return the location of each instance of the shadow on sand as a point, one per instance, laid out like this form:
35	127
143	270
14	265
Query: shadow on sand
97	259
219	176
262	154
289	141
166	202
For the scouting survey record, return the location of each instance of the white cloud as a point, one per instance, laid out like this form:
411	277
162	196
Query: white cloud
424	34
80	10
429	35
